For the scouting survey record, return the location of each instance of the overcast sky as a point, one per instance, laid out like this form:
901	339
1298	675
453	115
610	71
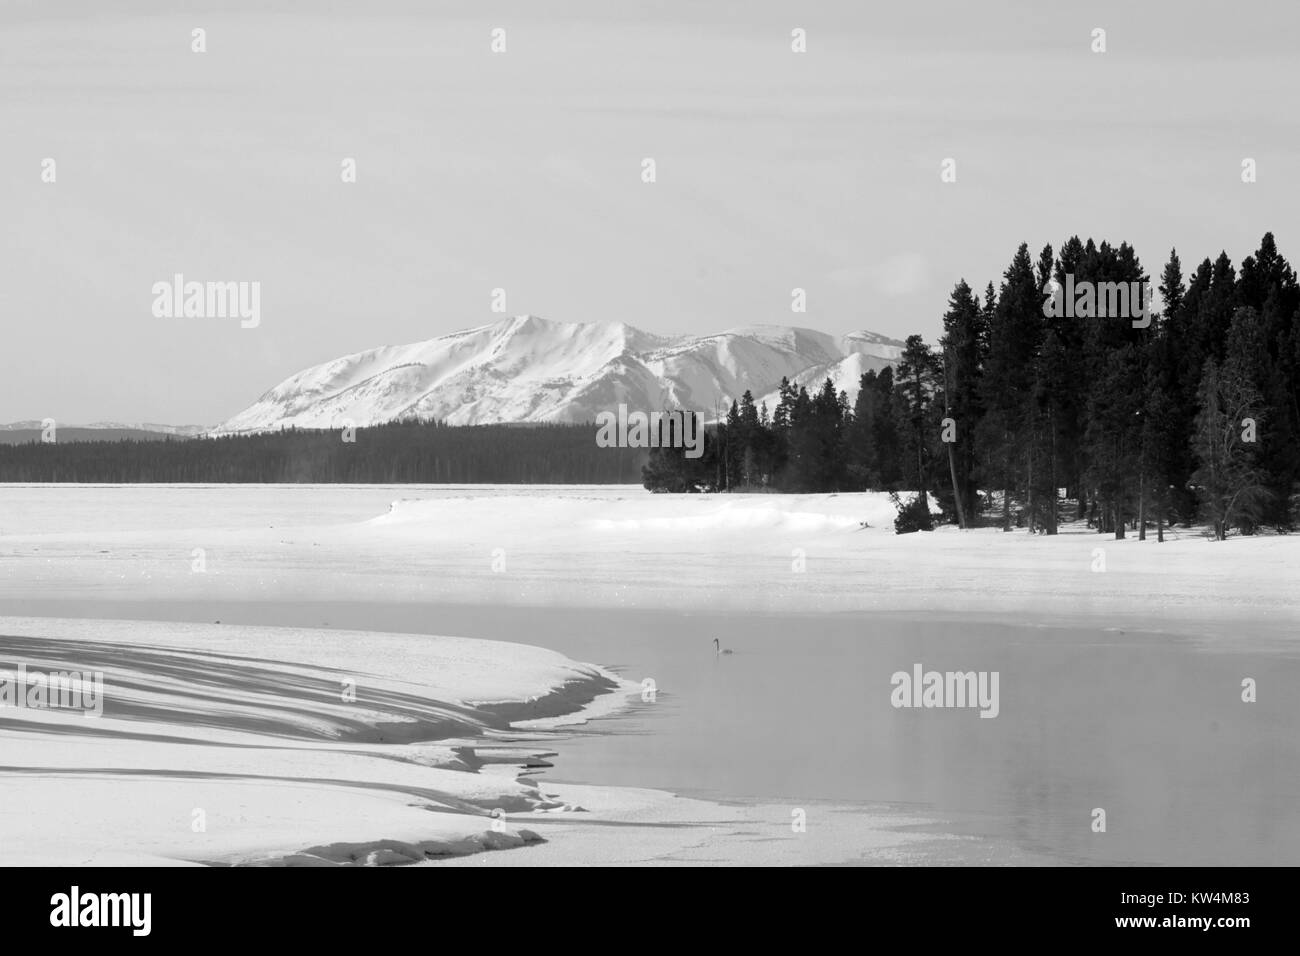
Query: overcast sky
522	170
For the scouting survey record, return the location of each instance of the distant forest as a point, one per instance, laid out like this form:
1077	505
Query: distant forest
401	452
1195	417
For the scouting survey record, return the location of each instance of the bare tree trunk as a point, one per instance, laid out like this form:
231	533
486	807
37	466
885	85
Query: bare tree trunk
956	492
970	489
1051	514
1119	496
1029	489
952	461
920	468
1142	507
1006	486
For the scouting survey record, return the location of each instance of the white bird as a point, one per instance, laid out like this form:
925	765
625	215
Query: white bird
719	649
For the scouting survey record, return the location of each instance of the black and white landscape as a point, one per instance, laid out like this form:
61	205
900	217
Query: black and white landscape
691	434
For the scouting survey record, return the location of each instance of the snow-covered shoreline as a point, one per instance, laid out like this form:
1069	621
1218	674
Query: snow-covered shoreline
237	745
228	745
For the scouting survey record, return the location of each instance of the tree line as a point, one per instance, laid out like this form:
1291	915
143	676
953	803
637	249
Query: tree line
1132	421
399	452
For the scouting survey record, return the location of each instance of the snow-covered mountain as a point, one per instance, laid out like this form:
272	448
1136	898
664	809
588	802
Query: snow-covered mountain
528	369
182	431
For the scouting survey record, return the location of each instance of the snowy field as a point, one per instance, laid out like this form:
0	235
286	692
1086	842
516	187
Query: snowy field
322	745
619	546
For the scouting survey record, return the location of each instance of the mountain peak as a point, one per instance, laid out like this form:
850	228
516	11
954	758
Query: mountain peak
529	322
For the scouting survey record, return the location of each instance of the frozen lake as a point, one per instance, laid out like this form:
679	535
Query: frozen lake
1149	726
54	509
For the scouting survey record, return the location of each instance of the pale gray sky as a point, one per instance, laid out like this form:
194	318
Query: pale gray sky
522	170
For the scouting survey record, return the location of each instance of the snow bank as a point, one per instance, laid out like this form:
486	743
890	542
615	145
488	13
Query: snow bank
673	514
227	744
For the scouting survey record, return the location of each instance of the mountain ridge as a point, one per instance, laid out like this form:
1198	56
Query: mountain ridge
526	369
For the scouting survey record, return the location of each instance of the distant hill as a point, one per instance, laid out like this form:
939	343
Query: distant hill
18	433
